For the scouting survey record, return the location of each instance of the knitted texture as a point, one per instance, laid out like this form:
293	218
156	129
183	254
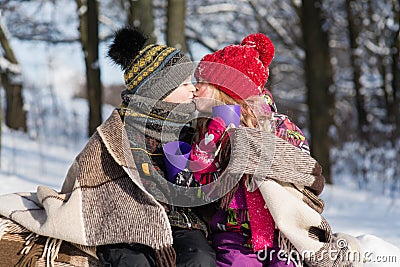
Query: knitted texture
202	155
290	183
241	70
20	247
101	200
261	222
160	120
157	71
263	154
154	70
149	125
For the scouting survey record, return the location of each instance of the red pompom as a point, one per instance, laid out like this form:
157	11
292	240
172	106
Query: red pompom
263	45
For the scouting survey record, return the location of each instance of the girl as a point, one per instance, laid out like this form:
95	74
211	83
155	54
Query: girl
237	75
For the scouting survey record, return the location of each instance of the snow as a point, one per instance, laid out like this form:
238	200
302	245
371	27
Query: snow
358	212
43	156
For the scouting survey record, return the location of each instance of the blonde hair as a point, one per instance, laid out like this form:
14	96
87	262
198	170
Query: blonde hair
247	116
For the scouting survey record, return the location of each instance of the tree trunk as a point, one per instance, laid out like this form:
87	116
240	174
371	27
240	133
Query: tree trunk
176	24
318	72
141	16
11	79
395	108
354	29
88	28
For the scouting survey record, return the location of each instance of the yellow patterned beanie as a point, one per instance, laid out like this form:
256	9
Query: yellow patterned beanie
152	71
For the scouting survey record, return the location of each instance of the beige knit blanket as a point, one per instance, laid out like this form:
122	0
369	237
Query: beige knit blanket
102	200
290	181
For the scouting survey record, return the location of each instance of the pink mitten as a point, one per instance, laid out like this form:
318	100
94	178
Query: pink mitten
215	130
202	158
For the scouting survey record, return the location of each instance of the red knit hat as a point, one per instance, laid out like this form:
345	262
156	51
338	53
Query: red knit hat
241	70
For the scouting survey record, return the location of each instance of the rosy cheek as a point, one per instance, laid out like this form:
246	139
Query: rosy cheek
206	92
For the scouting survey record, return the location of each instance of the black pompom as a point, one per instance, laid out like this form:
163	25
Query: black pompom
126	45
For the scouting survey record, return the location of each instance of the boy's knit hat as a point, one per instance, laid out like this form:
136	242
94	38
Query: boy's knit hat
152	71
241	70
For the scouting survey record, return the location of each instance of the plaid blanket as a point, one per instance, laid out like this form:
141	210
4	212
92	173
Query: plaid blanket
21	247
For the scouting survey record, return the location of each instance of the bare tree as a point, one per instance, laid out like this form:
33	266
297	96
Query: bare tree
395	106
318	76
355	27
11	79
141	15
88	28
176	24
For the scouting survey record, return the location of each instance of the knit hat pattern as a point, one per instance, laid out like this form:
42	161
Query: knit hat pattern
152	71
242	70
